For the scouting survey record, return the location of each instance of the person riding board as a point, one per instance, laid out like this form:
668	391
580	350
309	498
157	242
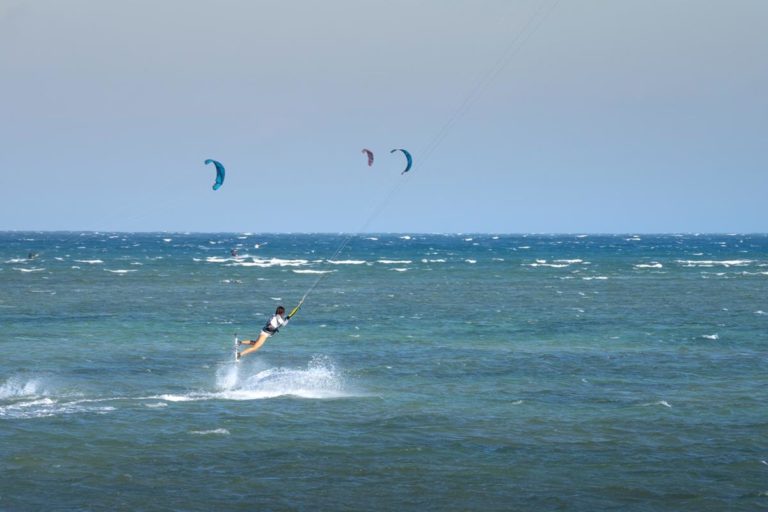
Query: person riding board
272	327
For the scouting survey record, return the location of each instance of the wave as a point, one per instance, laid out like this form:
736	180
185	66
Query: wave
307	271
217	431
653	264
713	263
346	262
25	398
259	262
543	263
319	380
90	262
394	262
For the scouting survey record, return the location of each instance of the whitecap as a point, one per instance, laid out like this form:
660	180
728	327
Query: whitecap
394	262
710	336
470	261
26	270
120	271
346	262
712	263
660	402
266	263
90	262
216	431
399	269
653	264
307	271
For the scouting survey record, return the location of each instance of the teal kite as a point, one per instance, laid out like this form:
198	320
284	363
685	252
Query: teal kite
219	173
408	158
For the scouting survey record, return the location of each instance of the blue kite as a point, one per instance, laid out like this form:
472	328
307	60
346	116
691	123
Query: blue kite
407	157
219	173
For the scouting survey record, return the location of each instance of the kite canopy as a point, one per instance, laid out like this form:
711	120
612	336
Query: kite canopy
219	173
408	158
369	153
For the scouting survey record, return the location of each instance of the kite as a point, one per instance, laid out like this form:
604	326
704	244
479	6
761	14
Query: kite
219	173
369	153
407	157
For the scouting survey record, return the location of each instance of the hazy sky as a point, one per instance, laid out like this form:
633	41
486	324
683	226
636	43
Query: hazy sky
522	116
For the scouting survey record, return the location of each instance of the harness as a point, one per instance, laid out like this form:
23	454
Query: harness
268	327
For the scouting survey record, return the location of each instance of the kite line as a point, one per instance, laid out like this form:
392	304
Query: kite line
512	49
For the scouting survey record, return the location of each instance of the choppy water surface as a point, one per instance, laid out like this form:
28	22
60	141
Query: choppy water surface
443	372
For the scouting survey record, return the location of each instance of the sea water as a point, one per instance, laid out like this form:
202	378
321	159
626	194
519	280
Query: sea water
424	372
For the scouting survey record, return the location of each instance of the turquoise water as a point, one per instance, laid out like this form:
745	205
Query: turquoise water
461	372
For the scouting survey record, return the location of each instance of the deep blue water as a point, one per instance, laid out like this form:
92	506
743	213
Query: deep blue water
424	372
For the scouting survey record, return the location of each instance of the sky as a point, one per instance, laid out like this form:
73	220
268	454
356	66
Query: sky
523	116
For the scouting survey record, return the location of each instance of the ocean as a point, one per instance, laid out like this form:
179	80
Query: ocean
423	372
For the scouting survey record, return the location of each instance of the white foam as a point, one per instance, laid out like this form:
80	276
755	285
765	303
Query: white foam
346	262
712	263
543	263
28	269
90	262
399	269
439	260
29	398
16	387
17	260
660	402
471	261
306	271
710	336
216	431
394	262
319	380
120	271
654	264
259	262
405	237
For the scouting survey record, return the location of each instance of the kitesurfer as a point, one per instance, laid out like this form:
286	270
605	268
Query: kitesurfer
271	327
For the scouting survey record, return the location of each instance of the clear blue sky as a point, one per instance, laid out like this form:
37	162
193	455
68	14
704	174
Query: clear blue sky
629	116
